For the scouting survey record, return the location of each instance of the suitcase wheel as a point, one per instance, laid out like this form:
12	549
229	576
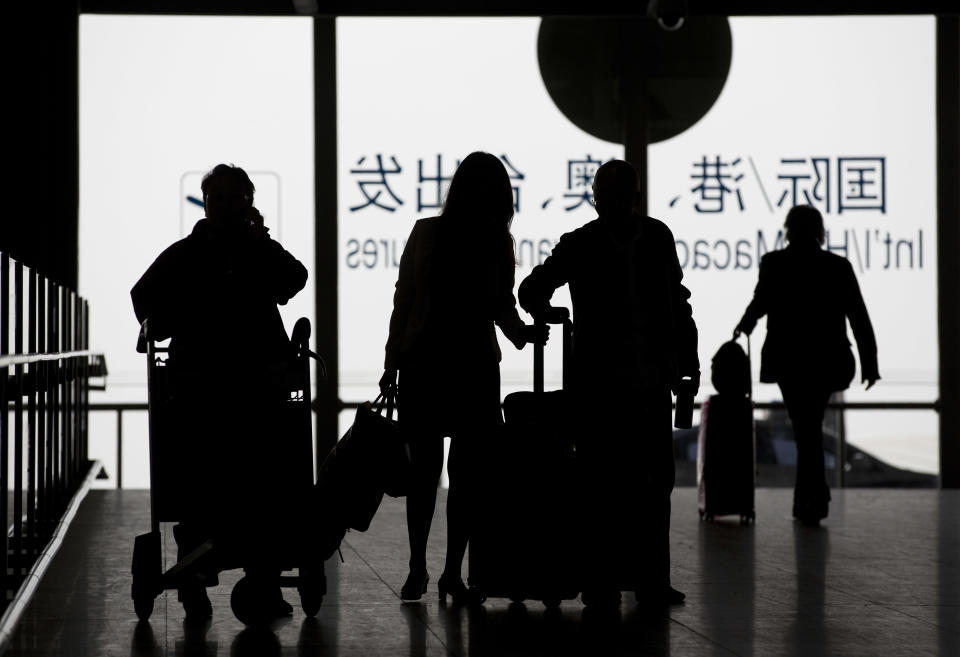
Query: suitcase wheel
750	518
552	604
143	605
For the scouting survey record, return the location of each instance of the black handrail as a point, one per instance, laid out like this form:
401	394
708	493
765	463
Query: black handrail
44	380
124	407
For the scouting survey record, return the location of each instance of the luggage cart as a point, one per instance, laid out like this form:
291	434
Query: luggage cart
290	546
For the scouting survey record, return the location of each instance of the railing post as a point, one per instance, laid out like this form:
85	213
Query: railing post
66	346
842	449
85	408
43	453
55	446
32	415
119	448
4	416
17	543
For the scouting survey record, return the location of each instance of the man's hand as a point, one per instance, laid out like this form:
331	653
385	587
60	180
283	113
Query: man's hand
870	382
740	329
688	382
536	333
388	382
255	227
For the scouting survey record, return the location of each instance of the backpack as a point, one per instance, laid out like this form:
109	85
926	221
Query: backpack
730	370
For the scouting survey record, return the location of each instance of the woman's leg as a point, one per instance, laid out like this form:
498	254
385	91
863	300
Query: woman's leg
461	500
479	425
806	405
426	460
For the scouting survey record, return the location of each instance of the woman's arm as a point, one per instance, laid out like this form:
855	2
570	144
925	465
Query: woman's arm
402	303
759	305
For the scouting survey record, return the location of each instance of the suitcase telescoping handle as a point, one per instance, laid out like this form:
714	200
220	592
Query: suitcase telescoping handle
736	335
554	315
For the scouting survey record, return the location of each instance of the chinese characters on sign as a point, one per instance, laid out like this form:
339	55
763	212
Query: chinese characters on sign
434	176
719	184
852	183
376	179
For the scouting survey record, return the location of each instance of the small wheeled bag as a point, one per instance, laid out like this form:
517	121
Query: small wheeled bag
726	443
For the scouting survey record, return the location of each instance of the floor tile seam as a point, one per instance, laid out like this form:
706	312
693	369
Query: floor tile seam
922	620
703	636
385	583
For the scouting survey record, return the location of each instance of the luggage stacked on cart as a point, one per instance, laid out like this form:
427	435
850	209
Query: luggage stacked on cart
525	546
726	445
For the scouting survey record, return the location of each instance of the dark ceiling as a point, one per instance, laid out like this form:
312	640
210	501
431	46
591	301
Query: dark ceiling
516	7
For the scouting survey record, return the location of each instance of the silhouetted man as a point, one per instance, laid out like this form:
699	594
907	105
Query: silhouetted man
215	294
634	340
807	295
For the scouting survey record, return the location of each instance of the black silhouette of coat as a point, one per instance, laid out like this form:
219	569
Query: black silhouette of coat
807	294
450	293
633	324
215	294
217	297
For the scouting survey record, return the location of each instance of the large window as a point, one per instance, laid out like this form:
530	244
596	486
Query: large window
833	111
162	99
813	110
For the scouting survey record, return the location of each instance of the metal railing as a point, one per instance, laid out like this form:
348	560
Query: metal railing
44	381
119	408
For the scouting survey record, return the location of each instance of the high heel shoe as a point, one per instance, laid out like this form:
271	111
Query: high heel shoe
415	586
455	588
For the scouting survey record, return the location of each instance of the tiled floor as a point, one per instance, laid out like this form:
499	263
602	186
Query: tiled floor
881	577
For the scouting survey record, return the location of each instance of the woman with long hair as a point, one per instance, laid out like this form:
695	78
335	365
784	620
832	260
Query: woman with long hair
455	283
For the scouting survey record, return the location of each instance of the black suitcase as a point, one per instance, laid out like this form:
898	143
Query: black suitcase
526	544
726	443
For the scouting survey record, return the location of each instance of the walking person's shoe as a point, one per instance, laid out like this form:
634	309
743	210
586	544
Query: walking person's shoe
415	586
459	593
810	513
195	602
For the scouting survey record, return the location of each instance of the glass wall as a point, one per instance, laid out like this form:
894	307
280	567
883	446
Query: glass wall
162	100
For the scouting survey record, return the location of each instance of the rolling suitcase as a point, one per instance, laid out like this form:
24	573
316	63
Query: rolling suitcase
726	442
526	546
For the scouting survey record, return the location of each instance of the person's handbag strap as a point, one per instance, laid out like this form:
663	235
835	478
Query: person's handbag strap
388	401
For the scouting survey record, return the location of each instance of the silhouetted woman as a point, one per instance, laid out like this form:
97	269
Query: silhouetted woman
807	295
456	281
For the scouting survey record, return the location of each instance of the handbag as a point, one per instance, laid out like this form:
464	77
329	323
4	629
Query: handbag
391	449
370	459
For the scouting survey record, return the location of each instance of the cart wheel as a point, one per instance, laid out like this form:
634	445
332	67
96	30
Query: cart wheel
143	605
246	602
552	604
517	600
